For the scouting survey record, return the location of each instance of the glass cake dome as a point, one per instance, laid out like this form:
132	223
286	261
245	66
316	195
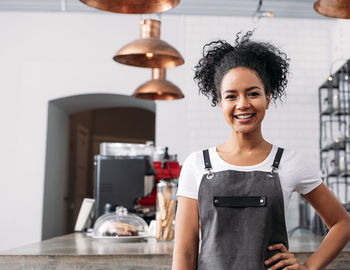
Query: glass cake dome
120	224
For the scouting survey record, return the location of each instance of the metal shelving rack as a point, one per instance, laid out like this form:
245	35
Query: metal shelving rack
334	108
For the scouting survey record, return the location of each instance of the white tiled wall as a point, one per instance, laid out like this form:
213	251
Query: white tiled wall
340	43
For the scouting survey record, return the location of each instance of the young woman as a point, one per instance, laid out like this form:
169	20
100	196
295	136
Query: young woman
237	193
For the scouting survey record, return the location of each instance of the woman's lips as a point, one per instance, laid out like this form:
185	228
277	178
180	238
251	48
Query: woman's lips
244	120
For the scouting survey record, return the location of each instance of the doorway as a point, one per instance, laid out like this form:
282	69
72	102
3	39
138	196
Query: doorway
76	127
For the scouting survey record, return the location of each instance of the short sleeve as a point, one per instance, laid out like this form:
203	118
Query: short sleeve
188	183
307	177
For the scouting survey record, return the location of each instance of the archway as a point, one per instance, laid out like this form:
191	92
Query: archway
76	126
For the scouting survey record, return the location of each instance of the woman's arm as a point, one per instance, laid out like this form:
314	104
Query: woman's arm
336	219
186	235
338	222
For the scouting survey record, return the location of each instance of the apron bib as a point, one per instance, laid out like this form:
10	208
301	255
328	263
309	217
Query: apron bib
241	213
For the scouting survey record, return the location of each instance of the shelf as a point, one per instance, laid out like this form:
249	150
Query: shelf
329	84
334	173
338	173
335	146
335	121
341	112
331	112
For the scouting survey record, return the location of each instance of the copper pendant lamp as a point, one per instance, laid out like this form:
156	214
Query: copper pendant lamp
149	51
333	8
158	88
133	6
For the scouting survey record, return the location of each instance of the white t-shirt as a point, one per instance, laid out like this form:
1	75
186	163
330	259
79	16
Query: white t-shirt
295	172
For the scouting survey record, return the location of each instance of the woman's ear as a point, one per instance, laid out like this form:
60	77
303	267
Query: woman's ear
268	99
219	98
220	103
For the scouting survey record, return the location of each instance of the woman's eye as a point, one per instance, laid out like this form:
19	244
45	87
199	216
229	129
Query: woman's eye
254	94
230	96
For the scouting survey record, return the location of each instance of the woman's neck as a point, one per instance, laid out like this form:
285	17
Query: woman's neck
244	149
240	142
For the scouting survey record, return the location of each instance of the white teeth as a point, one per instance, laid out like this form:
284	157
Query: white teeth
244	116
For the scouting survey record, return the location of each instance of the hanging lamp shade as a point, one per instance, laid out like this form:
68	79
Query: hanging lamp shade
333	8
132	6
158	88
149	51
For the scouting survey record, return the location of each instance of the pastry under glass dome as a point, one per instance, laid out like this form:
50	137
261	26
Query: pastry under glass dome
120	224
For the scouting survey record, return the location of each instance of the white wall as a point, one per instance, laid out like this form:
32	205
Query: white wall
45	56
56	172
340	54
340	43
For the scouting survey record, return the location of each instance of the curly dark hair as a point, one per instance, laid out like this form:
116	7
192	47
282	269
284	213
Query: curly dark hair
219	57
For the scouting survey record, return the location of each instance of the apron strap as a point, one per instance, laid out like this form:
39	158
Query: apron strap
278	156
207	162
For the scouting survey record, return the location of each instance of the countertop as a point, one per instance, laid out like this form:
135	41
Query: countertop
77	251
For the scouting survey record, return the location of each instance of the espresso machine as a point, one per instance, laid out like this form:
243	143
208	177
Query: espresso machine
123	173
126	175
167	167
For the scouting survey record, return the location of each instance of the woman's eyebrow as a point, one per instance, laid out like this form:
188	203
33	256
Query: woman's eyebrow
247	89
252	88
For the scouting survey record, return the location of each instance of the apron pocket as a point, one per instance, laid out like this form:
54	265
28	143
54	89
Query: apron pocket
240	201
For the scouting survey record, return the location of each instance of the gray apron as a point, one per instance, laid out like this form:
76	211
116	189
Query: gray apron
241	213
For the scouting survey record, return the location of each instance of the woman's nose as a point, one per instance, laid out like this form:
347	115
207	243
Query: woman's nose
243	103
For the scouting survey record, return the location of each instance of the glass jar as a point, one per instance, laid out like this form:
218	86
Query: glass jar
326	105
335	100
342	161
165	216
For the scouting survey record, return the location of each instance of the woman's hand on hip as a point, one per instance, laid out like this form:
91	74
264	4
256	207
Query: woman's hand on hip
286	260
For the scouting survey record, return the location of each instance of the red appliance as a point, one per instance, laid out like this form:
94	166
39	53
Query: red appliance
166	169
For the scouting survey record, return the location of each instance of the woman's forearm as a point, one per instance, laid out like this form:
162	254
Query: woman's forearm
184	261
186	235
332	244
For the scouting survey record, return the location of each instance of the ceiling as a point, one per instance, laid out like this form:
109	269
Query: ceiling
281	8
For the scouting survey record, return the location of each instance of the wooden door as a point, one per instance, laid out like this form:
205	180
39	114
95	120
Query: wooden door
81	167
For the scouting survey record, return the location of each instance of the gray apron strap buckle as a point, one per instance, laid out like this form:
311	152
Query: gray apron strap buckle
276	162
207	164
273	171
210	174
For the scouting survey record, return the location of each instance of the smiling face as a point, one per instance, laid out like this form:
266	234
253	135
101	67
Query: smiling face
243	100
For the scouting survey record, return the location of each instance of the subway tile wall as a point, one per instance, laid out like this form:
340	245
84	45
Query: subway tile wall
340	43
